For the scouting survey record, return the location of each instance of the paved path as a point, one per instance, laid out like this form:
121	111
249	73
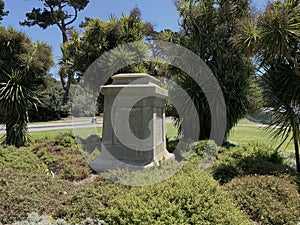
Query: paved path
57	126
252	125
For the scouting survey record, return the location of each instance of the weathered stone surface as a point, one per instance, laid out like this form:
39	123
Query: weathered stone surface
134	131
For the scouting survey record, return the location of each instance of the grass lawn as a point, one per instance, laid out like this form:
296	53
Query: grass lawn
68	120
85	132
171	130
247	132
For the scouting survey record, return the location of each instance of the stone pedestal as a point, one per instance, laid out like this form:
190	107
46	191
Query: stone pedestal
134	133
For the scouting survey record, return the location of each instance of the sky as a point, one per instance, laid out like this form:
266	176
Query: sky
161	13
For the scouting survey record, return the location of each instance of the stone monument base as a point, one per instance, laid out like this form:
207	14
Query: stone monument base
108	162
134	132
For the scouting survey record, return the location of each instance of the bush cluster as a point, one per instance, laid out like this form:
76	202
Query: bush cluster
189	197
59	156
267	200
204	150
44	178
62	157
249	160
21	158
23	192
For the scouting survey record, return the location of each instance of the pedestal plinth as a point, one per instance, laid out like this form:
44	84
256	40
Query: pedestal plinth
134	134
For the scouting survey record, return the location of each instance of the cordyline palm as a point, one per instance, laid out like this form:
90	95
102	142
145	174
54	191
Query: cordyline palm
17	94
23	65
281	88
274	42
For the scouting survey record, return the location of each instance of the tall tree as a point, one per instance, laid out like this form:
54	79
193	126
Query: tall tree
99	37
23	66
274	40
207	29
60	13
2	11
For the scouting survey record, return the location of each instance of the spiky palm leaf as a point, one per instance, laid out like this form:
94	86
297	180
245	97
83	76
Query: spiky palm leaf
282	95
17	94
276	49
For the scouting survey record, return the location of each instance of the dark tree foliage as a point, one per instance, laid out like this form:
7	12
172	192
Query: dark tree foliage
2	11
51	102
101	36
207	29
23	65
98	37
61	13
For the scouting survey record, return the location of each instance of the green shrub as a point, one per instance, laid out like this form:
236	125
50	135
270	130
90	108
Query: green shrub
65	139
249	160
268	200
20	158
202	153
59	156
205	147
22	192
62	157
88	199
204	150
150	175
189	197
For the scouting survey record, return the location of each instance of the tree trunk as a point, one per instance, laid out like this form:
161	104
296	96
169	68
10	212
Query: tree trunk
16	132
66	84
67	100
295	128
64	37
296	145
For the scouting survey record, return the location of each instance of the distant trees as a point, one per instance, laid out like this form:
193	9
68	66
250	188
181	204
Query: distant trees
2	11
207	29
60	13
23	65
274	40
51	105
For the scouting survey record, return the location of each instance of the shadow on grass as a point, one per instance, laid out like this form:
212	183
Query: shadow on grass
91	143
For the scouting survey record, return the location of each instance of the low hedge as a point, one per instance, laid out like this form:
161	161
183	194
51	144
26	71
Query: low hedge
23	192
249	160
189	197
268	200
58	156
